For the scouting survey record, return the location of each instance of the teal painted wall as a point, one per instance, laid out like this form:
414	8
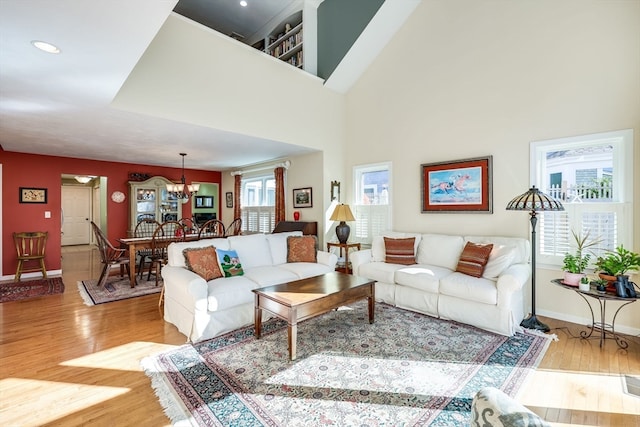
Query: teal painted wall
340	23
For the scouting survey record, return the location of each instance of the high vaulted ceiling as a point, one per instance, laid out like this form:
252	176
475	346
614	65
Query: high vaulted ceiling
61	104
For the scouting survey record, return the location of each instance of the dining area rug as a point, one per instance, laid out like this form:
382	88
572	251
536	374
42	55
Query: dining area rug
116	289
404	369
17	291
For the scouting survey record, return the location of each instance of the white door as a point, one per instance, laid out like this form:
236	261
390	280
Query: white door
76	211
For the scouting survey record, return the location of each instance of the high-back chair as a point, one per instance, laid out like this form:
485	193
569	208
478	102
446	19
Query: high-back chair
168	231
211	228
30	247
189	224
144	228
109	255
234	228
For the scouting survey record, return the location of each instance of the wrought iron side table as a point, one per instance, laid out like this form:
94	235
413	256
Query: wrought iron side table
602	326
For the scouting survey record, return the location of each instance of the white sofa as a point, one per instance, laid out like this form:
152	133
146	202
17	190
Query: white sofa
493	302
203	310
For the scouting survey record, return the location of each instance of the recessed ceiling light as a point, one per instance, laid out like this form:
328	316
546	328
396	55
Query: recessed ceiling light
243	3
44	46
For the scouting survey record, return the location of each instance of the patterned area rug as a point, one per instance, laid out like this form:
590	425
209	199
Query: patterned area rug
406	369
116	289
17	291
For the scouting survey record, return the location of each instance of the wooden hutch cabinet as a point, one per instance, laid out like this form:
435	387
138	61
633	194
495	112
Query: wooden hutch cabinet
150	199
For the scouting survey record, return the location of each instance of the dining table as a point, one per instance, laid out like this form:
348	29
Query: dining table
135	244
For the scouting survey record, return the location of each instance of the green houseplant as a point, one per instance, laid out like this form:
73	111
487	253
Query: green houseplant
574	264
617	263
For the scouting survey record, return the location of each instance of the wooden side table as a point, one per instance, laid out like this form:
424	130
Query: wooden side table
346	246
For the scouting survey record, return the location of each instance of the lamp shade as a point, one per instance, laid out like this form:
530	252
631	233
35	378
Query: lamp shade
83	179
342	212
534	200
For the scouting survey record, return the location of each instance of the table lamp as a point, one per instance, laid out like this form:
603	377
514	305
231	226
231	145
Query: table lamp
534	201
342	213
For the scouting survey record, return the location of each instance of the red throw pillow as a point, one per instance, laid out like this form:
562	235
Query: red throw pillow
399	251
474	258
302	249
203	262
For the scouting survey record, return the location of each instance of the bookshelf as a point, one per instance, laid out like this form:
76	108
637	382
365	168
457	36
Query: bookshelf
285	41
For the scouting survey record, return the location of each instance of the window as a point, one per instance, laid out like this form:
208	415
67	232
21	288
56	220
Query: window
372	201
258	204
590	175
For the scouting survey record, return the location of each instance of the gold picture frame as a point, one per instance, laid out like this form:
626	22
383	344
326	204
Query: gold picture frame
33	195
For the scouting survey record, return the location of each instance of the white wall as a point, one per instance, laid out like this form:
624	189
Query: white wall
470	78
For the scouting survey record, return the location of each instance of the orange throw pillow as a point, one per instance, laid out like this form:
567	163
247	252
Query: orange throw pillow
399	251
203	262
473	259
302	249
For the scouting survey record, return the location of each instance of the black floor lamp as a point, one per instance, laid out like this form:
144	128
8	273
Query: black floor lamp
534	201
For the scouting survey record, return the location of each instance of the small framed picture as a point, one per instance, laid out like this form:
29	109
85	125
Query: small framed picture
229	197
302	198
335	191
204	201
33	195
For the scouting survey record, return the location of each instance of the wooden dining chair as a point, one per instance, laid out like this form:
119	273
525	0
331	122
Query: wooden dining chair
211	228
168	231
190	225
234	228
30	247
109	255
144	228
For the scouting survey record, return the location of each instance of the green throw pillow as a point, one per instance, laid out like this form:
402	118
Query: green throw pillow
230	263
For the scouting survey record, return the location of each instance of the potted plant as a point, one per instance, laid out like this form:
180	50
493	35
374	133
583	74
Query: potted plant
617	263
574	264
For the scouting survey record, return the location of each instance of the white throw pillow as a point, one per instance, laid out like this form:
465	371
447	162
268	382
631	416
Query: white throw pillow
500	258
440	250
278	245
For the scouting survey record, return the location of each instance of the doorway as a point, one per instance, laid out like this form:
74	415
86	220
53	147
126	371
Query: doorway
81	203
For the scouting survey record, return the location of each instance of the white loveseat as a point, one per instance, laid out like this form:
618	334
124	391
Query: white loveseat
203	310
433	286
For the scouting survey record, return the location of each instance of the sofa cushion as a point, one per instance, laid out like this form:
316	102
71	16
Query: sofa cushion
230	263
229	292
377	243
440	250
268	275
500	258
253	249
522	246
473	259
306	269
278	245
203	262
379	271
302	249
423	277
175	257
399	250
463	286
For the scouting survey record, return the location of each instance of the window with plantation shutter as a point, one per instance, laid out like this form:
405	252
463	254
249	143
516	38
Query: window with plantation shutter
258	204
372	201
590	176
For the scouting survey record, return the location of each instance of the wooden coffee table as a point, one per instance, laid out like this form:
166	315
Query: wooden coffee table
306	298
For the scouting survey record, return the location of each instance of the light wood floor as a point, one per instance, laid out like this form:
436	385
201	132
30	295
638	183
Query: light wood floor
65	364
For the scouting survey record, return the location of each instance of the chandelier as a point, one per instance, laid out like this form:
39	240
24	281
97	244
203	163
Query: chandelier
182	191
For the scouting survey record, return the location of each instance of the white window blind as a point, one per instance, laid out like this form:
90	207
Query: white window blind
258	204
589	175
372	201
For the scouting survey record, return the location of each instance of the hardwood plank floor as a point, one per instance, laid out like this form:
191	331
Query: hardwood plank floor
66	364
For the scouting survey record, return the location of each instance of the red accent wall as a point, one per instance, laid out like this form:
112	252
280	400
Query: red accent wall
29	170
